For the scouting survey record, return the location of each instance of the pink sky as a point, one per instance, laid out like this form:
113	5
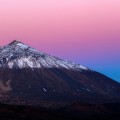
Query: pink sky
84	31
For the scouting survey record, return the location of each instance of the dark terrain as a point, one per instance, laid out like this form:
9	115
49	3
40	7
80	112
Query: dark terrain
76	111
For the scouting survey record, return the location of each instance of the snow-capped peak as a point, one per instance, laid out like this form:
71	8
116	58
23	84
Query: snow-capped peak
19	55
14	42
17	43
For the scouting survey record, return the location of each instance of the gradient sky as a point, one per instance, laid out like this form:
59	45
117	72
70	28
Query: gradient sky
83	31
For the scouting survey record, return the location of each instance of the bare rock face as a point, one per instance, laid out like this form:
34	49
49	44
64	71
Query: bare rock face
28	74
5	86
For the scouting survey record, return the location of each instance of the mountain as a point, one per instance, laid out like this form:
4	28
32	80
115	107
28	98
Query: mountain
29	76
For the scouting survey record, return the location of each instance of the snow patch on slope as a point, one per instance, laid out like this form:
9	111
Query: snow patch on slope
23	46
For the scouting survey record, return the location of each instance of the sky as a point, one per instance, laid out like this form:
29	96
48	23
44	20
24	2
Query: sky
83	31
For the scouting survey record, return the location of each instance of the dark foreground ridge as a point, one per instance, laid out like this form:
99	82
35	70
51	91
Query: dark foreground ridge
76	111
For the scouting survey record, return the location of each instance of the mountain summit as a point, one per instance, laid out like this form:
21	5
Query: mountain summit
31	75
19	55
15	42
